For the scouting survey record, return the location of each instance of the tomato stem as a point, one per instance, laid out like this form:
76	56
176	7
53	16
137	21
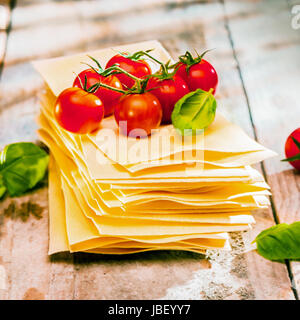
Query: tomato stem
151	57
111	88
135	56
139	86
136	79
189	60
164	67
115	67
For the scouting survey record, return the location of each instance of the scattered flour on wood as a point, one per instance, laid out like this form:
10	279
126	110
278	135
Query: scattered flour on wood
226	277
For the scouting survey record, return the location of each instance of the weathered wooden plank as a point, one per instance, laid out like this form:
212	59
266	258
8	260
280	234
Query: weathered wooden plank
87	34
28	269
236	275
4	14
148	276
267	49
23	127
21	242
62	11
210	35
62	275
24	239
69	35
140	276
15	86
19	82
233	104
3	37
84	34
28	246
6	226
4	24
24	231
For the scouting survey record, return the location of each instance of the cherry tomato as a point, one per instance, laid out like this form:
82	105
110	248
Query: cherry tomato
292	150
168	92
109	97
142	113
78	111
201	75
138	68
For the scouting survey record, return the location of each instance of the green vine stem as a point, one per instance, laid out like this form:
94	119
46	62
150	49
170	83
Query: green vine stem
163	66
91	89
189	60
99	84
134	56
164	72
115	69
137	80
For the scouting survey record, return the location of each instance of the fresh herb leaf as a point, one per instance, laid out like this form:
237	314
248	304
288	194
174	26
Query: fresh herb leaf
2	187
280	242
196	110
22	166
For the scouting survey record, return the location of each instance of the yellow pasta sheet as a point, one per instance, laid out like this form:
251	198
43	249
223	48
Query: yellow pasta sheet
67	219
208	200
111	194
184	199
106	171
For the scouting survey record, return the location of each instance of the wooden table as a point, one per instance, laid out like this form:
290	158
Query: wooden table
257	58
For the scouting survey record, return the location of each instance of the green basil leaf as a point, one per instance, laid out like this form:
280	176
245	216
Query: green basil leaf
2	187
280	242
22	166
194	111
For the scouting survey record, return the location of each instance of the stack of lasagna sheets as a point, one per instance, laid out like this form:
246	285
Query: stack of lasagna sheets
112	194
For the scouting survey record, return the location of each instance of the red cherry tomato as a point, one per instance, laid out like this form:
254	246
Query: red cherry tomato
109	97
138	68
78	111
201	75
142	113
168	92
292	150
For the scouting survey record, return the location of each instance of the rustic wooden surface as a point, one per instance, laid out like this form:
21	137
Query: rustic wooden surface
257	58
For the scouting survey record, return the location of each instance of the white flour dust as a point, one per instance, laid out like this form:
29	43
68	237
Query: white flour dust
220	281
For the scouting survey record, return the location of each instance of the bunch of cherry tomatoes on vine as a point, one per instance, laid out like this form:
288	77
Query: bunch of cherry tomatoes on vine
128	89
143	100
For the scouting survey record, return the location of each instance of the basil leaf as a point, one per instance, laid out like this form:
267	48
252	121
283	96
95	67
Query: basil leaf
2	187
195	110
280	242
22	166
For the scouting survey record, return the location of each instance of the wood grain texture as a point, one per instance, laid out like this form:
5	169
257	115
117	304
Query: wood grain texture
5	10
3	37
4	14
43	29
266	37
